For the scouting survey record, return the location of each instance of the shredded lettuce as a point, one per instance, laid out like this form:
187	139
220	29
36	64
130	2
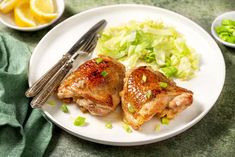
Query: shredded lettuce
152	43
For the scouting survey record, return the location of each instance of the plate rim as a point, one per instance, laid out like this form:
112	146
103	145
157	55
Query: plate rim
142	142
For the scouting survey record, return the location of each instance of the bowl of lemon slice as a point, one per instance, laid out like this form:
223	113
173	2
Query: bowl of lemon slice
30	15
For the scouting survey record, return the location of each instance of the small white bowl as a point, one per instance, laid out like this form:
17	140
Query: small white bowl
8	20
217	22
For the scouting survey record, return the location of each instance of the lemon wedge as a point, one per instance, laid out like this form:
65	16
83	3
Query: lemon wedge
43	10
23	16
8	5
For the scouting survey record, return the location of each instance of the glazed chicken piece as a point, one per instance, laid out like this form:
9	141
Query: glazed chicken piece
147	93
94	86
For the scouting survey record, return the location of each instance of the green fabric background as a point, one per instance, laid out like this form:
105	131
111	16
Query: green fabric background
23	131
213	136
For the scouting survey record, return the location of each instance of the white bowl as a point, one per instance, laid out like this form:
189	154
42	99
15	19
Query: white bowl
217	22
8	20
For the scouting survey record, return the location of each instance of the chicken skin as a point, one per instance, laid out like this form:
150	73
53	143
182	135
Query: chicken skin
147	93
94	86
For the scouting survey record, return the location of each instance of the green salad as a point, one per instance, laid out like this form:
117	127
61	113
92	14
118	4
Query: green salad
153	44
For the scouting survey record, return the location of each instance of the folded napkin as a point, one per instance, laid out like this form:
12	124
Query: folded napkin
23	131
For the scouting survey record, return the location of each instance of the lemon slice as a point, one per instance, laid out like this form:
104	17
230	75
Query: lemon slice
23	16
43	10
8	5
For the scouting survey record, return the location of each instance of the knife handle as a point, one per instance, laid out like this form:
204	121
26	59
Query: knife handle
39	84
42	97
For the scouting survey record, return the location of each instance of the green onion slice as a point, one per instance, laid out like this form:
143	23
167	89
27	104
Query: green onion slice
104	73
109	125
165	121
163	84
64	108
51	102
99	60
127	128
80	121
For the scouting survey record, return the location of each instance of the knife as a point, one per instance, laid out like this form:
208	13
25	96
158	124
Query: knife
54	82
39	84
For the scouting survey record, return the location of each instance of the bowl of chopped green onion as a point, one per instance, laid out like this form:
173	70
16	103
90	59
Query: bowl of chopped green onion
223	29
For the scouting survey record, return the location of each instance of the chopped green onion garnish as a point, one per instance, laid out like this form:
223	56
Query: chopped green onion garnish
228	22
157	127
127	128
104	73
64	108
131	108
226	30
98	60
51	102
109	125
144	78
148	94
163	84
165	121
80	121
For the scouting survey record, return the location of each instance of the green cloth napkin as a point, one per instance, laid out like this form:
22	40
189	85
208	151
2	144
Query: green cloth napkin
23	131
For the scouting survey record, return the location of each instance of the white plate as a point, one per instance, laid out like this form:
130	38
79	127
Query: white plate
206	86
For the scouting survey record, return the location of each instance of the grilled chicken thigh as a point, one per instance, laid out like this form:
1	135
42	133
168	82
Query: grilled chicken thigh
147	93
94	86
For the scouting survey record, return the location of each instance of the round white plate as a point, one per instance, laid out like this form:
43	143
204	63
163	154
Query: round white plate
206	86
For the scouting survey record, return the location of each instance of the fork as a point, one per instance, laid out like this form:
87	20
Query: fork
54	82
42	81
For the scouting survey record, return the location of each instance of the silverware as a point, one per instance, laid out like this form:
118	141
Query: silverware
38	85
54	82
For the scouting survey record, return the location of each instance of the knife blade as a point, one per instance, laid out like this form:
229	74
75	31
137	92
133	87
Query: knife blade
94	30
